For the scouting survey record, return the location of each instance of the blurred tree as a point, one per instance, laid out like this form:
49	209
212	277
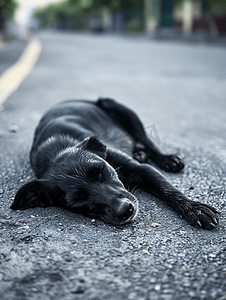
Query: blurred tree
118	4
126	14
74	13
65	14
8	8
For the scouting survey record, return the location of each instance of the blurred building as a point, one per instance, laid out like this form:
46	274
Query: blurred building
188	17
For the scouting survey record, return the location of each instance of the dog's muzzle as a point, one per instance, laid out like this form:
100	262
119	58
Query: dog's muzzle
126	209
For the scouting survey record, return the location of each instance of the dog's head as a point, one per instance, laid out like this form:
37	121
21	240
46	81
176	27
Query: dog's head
82	181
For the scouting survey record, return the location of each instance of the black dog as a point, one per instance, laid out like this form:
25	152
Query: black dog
87	154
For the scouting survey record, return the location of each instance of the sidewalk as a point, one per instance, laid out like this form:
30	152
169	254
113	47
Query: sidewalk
2	42
200	37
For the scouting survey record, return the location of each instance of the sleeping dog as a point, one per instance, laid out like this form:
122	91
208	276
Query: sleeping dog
88	155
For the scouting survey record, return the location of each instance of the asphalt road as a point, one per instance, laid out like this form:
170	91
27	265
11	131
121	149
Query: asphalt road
179	91
10	53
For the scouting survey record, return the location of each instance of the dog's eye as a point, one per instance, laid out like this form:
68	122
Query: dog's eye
96	172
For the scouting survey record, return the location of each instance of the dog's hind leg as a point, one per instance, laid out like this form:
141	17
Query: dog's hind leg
130	122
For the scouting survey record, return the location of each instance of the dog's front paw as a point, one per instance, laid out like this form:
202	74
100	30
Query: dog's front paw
200	214
171	163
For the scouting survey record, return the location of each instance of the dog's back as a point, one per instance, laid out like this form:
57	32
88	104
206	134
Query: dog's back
78	119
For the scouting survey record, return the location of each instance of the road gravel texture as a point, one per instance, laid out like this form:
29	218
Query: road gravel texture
177	89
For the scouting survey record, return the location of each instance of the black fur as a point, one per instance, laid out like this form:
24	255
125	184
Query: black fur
86	155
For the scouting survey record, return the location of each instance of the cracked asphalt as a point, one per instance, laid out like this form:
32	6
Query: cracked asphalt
177	89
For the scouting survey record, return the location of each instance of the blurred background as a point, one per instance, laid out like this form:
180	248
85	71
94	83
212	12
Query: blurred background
158	18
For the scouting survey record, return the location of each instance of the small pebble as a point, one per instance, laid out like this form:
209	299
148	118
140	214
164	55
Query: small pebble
13	128
157	287
155	224
191	294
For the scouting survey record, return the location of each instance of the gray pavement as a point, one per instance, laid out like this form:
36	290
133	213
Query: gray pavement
175	88
11	52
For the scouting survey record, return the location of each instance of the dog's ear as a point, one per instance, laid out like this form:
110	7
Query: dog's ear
94	145
33	194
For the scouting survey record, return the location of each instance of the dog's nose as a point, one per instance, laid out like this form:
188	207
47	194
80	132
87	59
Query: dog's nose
125	210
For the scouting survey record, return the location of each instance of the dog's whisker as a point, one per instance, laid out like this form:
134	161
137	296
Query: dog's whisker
134	190
118	168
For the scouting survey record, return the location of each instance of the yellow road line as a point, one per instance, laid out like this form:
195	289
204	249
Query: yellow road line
12	78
